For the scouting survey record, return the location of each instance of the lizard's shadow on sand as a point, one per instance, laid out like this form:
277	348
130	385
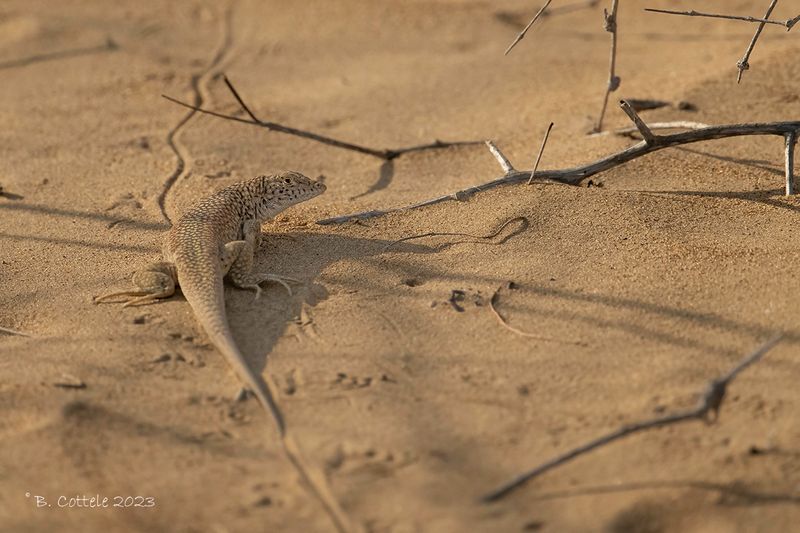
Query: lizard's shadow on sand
257	325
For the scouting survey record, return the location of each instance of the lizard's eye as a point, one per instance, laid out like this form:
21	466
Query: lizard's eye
287	180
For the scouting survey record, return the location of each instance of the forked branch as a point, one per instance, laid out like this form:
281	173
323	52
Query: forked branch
575	175
743	64
386	155
707	409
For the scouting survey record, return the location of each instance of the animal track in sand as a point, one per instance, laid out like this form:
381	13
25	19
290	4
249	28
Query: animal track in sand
199	84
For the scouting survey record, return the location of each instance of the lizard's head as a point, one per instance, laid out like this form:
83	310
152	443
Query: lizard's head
282	190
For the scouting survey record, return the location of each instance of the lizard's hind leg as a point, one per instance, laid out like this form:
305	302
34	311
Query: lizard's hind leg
154	282
240	254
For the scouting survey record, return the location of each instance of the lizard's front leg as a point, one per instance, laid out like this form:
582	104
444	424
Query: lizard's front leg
241	255
158	280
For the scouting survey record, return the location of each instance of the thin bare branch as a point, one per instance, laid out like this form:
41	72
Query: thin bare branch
541	151
610	25
521	34
743	63
791	140
575	175
706	410
493	307
693	13
14	332
505	164
647	135
386	155
677	125
239	98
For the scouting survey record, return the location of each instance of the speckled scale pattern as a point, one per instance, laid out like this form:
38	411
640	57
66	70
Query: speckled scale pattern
196	243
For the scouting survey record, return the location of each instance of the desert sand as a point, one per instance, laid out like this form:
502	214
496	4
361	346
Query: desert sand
641	288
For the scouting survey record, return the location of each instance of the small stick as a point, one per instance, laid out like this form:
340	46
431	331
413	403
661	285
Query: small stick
499	317
68	381
492	235
239	98
709	405
613	80
505	164
521	34
386	155
541	151
693	13
654	126
14	332
791	140
743	63
647	135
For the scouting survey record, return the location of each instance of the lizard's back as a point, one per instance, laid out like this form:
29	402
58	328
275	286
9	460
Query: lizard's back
195	246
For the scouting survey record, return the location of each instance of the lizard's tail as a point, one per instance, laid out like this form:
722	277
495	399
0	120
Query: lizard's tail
215	324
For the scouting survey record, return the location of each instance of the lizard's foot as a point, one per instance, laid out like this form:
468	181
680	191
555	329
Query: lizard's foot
252	281
154	282
283	280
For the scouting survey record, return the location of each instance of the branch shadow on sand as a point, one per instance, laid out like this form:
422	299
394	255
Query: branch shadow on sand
108	46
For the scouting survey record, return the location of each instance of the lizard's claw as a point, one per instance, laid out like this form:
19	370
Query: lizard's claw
253	281
108	296
283	280
258	292
137	297
285	285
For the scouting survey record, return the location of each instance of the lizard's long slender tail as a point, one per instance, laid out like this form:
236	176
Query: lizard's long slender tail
216	325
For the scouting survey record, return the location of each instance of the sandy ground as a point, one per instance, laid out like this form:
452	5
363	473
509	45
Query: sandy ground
680	264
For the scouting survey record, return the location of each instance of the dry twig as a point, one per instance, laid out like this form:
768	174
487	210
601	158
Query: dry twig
743	63
68	381
692	13
706	410
523	226
677	125
505	164
386	155
14	332
544	13
521	34
575	175
541	151
505	324
791	141
610	25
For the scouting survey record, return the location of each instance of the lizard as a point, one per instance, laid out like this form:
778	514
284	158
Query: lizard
216	239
